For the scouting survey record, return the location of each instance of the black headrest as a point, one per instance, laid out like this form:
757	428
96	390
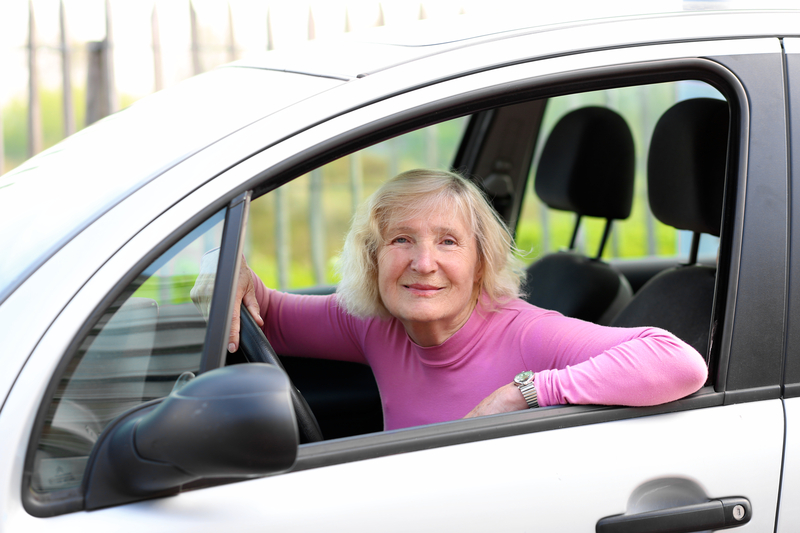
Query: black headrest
686	165
587	165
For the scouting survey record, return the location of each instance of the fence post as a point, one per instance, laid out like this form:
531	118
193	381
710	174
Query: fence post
158	68
282	237
197	67
544	214
270	42
316	225
646	128
231	37
96	96
34	109
432	146
312	30
356	181
108	63
66	74
101	94
381	18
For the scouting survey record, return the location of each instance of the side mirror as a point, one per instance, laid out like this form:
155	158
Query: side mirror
236	421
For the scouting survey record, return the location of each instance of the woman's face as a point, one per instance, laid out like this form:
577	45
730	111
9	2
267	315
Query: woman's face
429	273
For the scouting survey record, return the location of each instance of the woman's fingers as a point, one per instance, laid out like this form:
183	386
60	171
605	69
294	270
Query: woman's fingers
245	292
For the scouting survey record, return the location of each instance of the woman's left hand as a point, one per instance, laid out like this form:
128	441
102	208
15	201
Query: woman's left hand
506	399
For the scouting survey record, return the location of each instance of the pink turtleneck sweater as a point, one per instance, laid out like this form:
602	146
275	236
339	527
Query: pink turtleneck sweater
575	362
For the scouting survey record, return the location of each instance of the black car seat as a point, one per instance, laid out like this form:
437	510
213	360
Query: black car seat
686	177
586	167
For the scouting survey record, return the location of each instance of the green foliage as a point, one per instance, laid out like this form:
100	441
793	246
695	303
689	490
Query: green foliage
15	121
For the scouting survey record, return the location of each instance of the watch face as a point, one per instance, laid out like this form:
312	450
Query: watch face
523	377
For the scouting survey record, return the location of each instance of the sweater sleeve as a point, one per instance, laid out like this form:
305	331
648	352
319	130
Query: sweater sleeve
309	326
582	363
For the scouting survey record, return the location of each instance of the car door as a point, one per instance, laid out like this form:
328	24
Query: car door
788	516
558	468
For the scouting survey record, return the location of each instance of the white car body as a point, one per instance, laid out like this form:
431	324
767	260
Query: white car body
61	267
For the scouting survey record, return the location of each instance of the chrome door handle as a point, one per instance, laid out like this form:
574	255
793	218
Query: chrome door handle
715	514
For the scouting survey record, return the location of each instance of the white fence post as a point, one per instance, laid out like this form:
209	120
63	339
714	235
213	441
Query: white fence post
66	75
34	106
197	66
231	37
158	67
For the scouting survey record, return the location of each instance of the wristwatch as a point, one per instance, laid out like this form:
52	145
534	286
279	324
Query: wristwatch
525	382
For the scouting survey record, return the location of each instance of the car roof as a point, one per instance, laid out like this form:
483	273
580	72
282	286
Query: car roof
369	51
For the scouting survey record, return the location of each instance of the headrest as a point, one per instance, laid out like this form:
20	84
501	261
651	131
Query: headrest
587	165
686	165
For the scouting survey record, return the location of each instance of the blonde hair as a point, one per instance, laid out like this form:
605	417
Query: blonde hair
412	194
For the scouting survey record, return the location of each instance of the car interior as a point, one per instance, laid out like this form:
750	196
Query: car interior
585	168
566	169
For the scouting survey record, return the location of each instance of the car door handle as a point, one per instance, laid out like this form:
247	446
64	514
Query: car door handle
715	514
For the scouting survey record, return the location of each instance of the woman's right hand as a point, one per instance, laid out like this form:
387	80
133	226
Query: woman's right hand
245	292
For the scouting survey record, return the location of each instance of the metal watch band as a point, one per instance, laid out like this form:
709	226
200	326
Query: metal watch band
529	393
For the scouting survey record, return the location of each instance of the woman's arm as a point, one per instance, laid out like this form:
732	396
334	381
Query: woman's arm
309	325
582	363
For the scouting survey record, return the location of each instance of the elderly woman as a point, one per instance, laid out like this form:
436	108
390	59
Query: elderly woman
429	298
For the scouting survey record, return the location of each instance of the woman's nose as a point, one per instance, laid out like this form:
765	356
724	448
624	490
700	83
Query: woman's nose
424	260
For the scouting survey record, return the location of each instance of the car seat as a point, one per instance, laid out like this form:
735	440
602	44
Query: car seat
686	177
586	167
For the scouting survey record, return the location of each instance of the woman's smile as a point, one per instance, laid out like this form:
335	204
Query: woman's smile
429	274
422	289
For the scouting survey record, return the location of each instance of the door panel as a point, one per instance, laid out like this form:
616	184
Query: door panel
562	480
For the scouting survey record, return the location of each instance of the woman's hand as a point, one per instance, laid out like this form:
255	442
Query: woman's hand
245	292
506	399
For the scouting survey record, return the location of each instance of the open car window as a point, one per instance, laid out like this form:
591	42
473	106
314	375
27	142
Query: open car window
296	231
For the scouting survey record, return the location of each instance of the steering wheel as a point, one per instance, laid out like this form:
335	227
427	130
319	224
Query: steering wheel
257	349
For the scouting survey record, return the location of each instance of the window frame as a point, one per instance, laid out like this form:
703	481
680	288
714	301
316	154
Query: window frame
71	500
713	72
463	103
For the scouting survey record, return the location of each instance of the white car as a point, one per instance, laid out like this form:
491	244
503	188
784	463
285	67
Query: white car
104	427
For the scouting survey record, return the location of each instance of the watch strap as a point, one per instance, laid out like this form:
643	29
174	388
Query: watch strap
531	396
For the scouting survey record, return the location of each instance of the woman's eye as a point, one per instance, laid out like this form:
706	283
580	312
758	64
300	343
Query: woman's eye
448	242
400	240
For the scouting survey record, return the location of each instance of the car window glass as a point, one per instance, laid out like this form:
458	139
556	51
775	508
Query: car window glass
296	233
542	230
150	339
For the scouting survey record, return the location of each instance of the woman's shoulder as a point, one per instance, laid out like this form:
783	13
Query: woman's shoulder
517	306
517	313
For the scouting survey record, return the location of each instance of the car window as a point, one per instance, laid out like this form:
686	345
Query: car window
149	341
297	231
542	230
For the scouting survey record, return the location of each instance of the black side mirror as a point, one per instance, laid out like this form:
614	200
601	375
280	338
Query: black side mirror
236	421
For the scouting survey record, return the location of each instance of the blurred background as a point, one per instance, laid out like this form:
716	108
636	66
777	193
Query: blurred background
67	63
